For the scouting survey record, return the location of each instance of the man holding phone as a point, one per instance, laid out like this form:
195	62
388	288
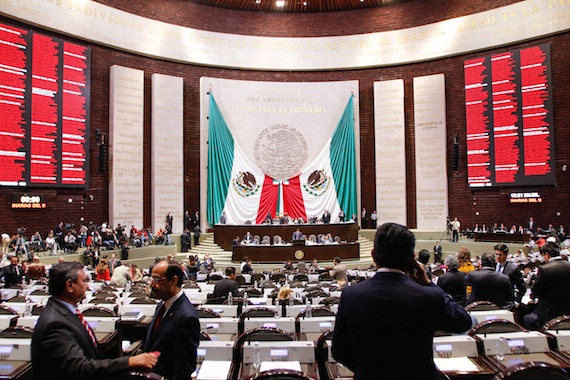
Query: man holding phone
387	307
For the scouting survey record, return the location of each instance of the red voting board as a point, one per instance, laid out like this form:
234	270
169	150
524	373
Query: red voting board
508	106
44	110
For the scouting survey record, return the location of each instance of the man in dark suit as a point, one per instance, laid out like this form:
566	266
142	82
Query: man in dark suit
175	328
62	346
385	308
452	280
512	270
489	285
226	285
550	287
13	274
437	252
326	216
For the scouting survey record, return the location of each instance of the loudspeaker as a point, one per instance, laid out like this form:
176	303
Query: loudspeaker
455	154
102	158
455	164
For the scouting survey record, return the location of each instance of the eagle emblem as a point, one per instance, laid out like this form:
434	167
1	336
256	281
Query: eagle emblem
245	184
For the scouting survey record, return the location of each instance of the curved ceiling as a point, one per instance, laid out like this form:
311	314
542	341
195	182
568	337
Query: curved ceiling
297	6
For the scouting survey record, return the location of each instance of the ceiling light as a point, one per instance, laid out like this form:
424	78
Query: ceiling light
280	3
304	3
257	1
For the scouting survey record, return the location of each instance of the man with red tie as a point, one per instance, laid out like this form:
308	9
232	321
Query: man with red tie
174	333
63	345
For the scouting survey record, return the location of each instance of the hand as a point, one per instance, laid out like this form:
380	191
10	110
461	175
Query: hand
418	273
143	361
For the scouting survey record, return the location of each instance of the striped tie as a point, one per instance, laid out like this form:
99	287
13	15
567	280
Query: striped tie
87	327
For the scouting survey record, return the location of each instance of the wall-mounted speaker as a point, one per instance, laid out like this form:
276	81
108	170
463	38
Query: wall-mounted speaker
455	153
102	158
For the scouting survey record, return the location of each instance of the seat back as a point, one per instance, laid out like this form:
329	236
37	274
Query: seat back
240	280
316	312
207	313
559	323
256	312
98	311
322	354
481	306
5	310
144	301
17	332
532	371
495	326
282	374
254	335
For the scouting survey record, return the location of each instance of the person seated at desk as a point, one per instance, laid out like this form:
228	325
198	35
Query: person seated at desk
63	345
225	286
268	219
247	239
12	274
103	272
36	270
314	267
247	269
288	266
236	241
297	235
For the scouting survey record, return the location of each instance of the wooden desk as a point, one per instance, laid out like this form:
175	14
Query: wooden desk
501	237
225	233
268	253
15	370
134	330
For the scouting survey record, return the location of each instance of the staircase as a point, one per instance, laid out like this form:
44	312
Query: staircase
223	258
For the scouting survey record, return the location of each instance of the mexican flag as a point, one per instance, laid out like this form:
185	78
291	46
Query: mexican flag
239	188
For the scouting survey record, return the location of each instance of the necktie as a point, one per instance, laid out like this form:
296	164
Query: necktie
86	325
500	268
159	317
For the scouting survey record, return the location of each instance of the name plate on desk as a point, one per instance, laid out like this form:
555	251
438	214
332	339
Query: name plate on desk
222	325
454	346
17	349
102	324
489	315
214	350
316	324
214	370
301	351
286	324
516	343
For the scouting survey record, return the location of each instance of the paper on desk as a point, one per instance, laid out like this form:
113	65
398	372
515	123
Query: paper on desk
463	364
293	365
214	370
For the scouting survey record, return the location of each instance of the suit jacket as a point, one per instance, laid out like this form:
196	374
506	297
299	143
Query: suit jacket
551	287
452	283
386	324
223	287
62	348
517	281
488	285
176	338
338	273
12	275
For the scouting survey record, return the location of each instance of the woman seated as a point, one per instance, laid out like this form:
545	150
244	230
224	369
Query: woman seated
103	272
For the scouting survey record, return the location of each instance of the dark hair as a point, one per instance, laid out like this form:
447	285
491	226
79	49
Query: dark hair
173	269
488	259
423	256
337	259
393	246
230	271
501	247
60	273
553	249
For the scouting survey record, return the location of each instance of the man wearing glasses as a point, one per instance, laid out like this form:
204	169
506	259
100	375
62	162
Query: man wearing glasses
506	267
174	333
